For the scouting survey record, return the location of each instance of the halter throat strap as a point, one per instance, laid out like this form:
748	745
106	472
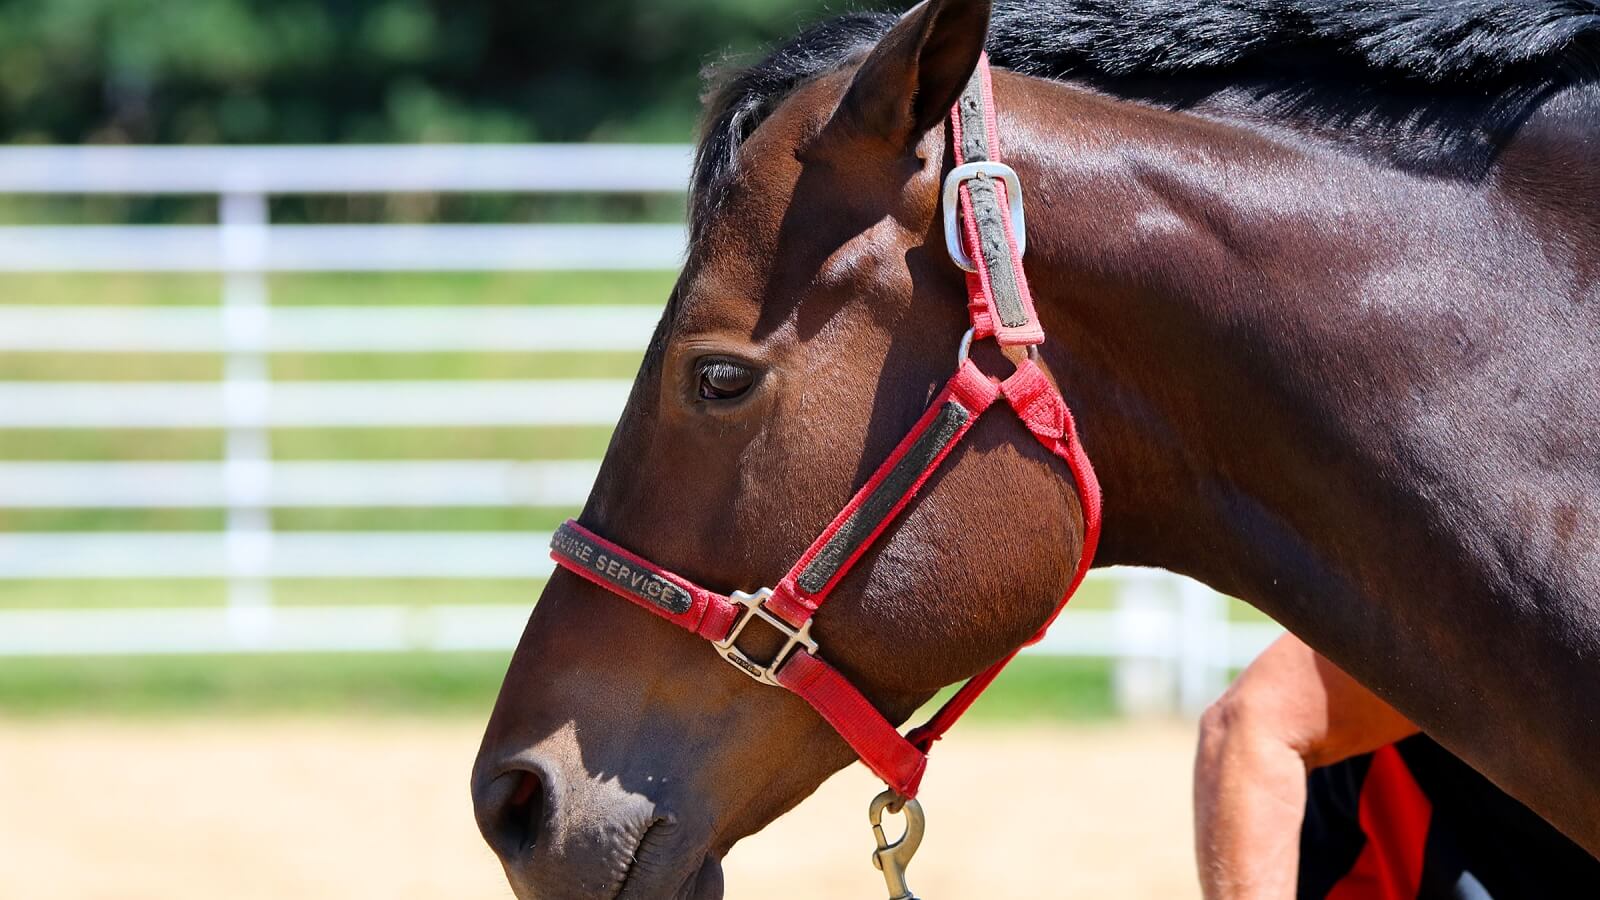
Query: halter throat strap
986	233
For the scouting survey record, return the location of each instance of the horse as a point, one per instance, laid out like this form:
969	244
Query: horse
1319	280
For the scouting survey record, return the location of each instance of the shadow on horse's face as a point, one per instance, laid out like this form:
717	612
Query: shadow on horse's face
816	315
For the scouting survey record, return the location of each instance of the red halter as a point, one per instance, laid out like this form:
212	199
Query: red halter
989	244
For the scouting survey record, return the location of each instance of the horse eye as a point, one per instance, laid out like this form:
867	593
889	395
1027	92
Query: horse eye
723	380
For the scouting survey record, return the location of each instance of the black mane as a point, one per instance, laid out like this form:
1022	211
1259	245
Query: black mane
1437	83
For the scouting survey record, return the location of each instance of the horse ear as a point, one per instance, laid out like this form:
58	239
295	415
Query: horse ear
917	71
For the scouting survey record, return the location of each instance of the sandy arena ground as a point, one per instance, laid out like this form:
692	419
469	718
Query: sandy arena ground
247	809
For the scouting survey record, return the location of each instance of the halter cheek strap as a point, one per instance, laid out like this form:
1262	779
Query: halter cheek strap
985	230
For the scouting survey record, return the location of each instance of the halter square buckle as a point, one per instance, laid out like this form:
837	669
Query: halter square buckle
755	607
952	207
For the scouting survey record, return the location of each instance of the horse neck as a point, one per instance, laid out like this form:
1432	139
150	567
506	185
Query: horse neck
1240	316
1363	401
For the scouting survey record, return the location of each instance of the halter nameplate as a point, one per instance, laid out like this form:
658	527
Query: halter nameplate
619	573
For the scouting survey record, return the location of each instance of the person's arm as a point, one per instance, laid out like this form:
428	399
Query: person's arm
1290	711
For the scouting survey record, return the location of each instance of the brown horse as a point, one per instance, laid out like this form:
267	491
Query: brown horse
1321	284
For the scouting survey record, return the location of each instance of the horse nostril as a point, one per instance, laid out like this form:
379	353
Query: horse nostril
512	813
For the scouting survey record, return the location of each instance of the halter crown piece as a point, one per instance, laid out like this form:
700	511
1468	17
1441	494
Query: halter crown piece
986	235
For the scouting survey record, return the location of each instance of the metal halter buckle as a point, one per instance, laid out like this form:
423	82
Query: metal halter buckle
755	607
952	207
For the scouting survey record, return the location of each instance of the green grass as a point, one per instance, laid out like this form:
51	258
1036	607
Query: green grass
110	367
388	289
133	444
518	518
203	592
440	443
208	685
88	521
406	591
1240	611
1094	595
92	520
95	594
491	288
452	366
334	209
1033	689
112	289
109	445
1044	689
207	367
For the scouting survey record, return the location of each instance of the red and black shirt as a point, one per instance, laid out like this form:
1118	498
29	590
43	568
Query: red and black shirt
1412	821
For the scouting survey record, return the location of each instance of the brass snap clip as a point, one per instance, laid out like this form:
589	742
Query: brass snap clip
892	858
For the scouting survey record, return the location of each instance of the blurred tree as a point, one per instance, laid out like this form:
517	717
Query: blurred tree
291	71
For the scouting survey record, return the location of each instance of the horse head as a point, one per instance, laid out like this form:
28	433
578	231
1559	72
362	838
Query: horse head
816	315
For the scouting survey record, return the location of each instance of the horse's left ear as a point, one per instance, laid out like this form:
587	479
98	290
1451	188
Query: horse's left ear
913	76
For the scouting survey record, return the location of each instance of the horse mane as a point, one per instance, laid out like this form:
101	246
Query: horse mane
1432	85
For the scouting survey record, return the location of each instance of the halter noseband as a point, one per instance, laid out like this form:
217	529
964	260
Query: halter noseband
983	197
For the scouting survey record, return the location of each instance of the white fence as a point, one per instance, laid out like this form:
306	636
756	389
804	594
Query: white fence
1172	636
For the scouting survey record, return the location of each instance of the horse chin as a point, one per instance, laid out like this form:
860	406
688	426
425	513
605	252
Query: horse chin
663	867
706	884
653	877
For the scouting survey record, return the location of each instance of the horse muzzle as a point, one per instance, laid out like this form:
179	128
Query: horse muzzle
591	839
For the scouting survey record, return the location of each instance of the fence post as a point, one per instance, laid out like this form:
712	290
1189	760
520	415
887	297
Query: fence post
247	461
1202	646
1143	677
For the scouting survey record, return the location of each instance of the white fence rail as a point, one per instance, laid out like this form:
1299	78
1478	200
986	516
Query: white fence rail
339	248
372	484
310	404
285	554
326	329
348	169
1171	637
